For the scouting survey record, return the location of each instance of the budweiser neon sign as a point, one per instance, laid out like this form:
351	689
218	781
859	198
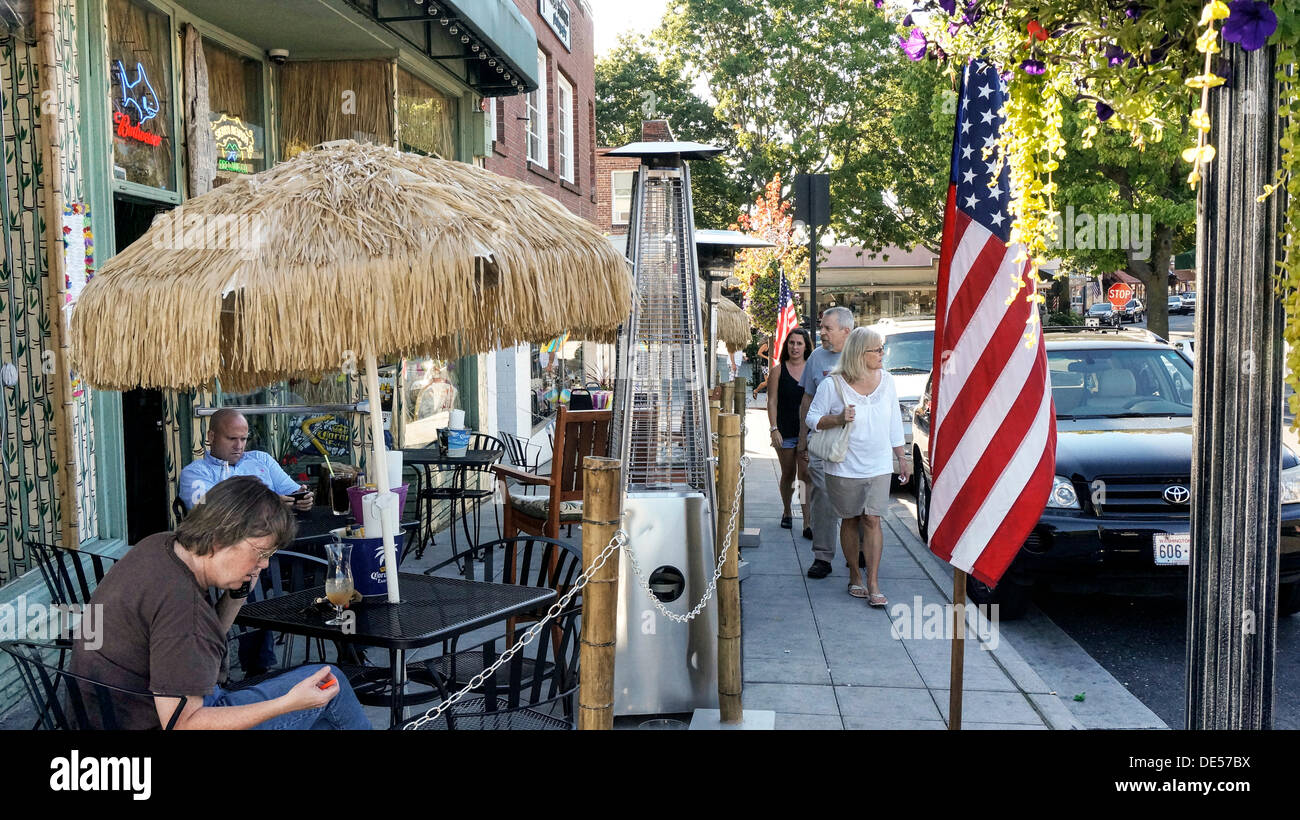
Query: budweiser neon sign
134	132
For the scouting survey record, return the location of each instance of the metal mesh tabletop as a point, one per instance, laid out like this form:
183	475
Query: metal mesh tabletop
432	609
472	458
315	524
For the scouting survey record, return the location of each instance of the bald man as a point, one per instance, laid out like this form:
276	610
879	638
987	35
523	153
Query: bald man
227	437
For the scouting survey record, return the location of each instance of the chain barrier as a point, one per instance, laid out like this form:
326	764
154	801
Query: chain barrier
619	541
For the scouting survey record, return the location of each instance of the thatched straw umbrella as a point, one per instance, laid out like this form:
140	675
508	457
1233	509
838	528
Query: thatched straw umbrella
733	325
346	253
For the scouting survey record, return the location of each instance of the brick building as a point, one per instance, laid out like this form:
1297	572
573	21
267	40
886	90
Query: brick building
548	138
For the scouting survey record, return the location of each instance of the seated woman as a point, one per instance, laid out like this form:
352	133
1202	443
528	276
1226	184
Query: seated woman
161	634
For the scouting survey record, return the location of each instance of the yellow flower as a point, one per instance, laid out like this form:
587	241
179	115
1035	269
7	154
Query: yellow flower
1207	43
1200	120
1203	153
1205	81
1214	10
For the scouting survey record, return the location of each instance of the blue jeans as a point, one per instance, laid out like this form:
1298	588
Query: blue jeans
343	712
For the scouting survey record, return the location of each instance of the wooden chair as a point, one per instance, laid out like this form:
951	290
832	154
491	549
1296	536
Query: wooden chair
578	434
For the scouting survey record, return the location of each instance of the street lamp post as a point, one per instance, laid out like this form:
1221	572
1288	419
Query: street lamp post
1233	579
812	207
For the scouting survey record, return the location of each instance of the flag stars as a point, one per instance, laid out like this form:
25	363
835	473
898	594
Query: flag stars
971	202
969	176
965	126
997	218
987	117
985	91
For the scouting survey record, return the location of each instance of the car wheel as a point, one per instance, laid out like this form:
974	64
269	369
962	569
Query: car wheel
1011	599
1288	598
922	500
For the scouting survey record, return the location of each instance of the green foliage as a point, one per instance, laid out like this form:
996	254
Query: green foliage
634	81
1066	318
811	86
759	269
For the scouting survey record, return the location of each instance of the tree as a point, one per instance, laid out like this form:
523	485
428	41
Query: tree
759	269
633	83
822	87
1126	208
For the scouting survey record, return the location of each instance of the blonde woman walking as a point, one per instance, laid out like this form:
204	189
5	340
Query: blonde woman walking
861	392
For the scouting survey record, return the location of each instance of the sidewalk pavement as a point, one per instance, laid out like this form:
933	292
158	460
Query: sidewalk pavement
822	659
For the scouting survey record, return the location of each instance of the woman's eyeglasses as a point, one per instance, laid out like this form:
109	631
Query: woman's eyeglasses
880	349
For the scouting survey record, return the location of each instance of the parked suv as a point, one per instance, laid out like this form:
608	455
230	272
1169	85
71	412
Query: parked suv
1118	515
1176	305
1103	313
1133	310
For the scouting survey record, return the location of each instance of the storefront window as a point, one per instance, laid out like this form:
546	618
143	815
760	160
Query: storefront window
427	118
325	101
557	367
870	304
235	96
140	61
432	390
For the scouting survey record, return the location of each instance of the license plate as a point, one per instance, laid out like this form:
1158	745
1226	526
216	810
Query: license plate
1172	550
1094	322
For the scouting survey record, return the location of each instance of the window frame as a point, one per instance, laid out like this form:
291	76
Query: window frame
565	143
536	103
613	196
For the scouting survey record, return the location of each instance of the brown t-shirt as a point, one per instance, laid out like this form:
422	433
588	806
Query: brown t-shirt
160	632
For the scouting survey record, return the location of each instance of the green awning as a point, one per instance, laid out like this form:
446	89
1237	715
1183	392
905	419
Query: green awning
1185	260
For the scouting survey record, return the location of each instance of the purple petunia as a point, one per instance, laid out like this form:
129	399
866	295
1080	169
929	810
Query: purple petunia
1033	67
1133	11
972	13
880	4
949	6
1115	56
1250	23
915	45
1104	112
907	21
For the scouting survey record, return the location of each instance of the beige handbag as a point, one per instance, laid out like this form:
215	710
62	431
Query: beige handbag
833	444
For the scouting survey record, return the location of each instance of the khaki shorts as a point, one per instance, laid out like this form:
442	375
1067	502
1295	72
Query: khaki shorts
851	497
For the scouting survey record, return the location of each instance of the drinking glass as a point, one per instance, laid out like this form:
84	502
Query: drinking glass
339	493
338	580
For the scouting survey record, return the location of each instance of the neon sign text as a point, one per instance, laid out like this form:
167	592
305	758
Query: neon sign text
135	132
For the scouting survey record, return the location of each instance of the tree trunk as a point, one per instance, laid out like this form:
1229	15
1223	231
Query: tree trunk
1154	273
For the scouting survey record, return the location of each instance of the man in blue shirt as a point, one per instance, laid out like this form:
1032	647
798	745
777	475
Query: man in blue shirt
227	437
835	326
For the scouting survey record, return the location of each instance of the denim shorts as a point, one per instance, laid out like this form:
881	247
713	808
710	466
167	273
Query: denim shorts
789	443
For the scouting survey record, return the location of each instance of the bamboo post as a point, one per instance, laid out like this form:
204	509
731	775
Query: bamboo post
65	408
602	513
958	667
742	405
729	678
715	407
728	389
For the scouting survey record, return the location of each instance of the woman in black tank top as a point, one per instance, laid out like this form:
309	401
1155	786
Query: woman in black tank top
783	398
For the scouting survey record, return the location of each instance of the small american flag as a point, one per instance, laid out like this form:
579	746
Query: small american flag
786	319
993	428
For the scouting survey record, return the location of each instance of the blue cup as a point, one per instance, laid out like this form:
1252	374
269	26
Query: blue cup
369	575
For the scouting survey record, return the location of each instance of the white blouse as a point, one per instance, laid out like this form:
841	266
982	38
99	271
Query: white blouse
877	426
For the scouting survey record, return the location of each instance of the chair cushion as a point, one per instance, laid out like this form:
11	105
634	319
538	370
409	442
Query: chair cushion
539	507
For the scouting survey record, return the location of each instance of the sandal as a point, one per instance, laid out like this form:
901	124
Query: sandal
786	522
858	590
877	599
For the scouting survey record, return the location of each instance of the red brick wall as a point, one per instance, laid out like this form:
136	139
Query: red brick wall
605	188
510	151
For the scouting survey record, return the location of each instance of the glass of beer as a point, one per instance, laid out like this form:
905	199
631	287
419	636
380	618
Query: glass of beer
338	580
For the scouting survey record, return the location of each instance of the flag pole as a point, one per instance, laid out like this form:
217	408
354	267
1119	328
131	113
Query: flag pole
958	666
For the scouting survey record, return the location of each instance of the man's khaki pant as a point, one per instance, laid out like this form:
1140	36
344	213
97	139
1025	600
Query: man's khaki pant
821	515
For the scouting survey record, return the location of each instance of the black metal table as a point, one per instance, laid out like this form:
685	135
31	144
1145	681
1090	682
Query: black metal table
432	609
430	459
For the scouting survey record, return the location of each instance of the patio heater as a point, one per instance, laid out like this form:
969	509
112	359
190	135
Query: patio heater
660	431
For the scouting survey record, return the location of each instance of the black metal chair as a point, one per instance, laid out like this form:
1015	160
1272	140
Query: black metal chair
515	697
527	561
67	701
463	487
517	449
65	574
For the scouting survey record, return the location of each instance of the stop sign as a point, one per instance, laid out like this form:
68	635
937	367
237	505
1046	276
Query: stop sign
1119	294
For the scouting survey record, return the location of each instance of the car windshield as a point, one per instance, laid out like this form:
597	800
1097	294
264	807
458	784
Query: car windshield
911	352
1114	382
1099	308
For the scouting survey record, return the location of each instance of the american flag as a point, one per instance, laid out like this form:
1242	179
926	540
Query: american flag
993	429
786	318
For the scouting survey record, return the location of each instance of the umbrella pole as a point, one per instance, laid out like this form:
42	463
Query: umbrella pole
379	470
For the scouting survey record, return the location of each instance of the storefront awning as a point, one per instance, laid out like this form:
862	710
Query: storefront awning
365	29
